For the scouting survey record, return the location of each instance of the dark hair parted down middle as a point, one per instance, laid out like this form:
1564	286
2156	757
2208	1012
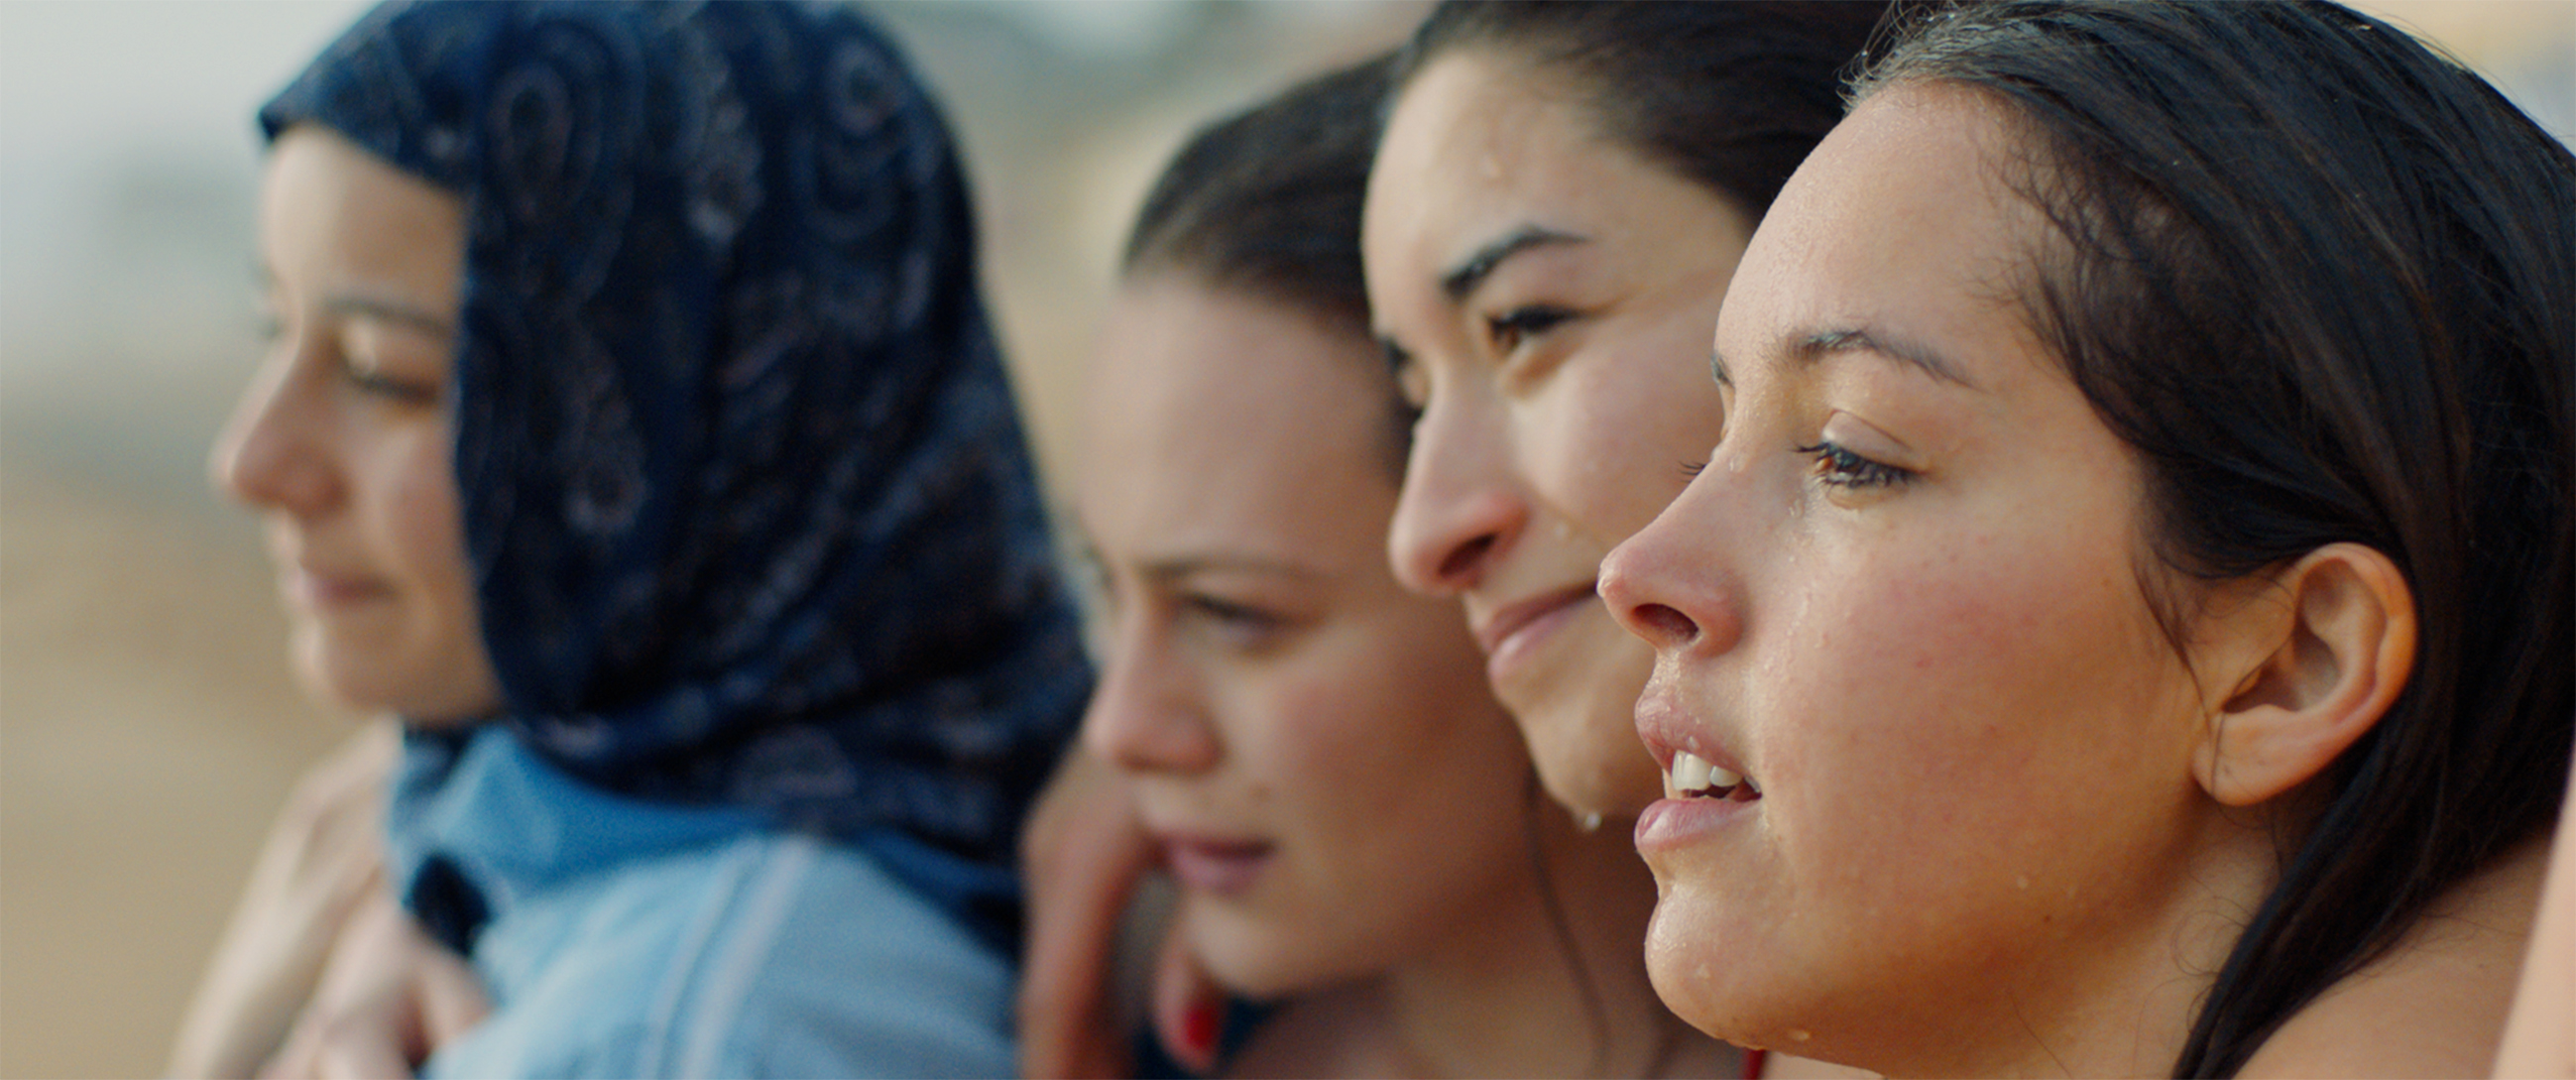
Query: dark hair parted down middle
1732	95
1268	200
2324	282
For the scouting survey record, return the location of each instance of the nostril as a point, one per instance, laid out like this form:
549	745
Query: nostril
1462	560
1662	625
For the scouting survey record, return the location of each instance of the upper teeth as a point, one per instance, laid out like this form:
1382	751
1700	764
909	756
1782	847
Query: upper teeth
1691	774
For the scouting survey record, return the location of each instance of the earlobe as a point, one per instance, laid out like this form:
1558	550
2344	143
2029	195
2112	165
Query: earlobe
2329	648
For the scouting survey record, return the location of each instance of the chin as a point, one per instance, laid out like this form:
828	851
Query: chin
1262	961
1587	765
371	693
1740	987
1259	971
1698	974
331	683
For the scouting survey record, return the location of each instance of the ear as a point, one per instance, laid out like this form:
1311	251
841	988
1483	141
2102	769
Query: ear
2314	659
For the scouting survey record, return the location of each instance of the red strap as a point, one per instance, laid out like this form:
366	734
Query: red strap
1753	1063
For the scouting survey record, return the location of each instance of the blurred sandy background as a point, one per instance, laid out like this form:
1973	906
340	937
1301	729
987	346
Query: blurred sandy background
147	727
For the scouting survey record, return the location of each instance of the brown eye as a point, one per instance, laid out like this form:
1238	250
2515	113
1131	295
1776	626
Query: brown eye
1839	467
1511	328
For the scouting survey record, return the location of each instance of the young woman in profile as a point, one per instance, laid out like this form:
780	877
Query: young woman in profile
1349	818
1556	207
633	433
2124	625
1551	218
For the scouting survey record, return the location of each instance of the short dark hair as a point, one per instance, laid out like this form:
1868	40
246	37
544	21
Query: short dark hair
2323	281
1268	200
1732	95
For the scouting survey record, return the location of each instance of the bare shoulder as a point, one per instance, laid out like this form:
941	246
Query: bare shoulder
1779	1066
2539	1041
2435	1005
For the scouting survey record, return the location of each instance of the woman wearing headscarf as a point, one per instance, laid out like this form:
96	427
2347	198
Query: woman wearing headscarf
632	431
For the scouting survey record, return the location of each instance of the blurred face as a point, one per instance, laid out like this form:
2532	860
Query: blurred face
1311	745
1928	756
1546	295
342	441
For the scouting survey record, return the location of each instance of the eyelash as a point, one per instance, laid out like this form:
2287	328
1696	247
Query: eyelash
1843	469
394	390
1231	614
1240	627
1509	329
374	384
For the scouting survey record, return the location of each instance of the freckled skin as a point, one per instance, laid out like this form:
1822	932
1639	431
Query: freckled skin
1980	834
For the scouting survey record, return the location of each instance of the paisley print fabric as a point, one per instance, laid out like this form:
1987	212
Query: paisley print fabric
743	485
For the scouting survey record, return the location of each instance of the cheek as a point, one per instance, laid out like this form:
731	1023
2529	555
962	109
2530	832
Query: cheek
1957	691
1618	438
1396	761
1383	717
423	525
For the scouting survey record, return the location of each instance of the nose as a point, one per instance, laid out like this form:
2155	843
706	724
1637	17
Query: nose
1669	584
1147	715
1460	509
270	453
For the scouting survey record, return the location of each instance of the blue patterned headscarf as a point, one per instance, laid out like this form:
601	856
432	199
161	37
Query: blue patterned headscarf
748	507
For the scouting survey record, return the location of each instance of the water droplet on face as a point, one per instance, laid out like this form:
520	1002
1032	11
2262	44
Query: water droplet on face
1799	1035
2021	881
1735	463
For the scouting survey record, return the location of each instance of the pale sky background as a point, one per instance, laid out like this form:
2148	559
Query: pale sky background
118	118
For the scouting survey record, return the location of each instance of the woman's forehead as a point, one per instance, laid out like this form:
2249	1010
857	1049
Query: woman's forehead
1899	226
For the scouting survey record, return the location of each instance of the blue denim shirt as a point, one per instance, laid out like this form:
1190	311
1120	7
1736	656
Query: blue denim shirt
631	939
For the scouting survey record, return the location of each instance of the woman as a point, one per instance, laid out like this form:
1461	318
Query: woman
1557	200
2123	626
1556	208
632	432
1350	821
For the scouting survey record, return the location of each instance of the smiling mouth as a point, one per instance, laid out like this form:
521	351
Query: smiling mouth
1690	776
1508	626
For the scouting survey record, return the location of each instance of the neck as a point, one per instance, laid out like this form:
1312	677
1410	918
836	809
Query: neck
2113	996
1553	982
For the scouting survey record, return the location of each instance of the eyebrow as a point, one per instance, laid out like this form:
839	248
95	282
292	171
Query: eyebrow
360	304
1814	347
392	311
1163	571
1174	568
1460	280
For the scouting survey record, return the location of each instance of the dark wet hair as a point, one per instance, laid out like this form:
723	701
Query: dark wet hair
1732	95
1268	200
2323	281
